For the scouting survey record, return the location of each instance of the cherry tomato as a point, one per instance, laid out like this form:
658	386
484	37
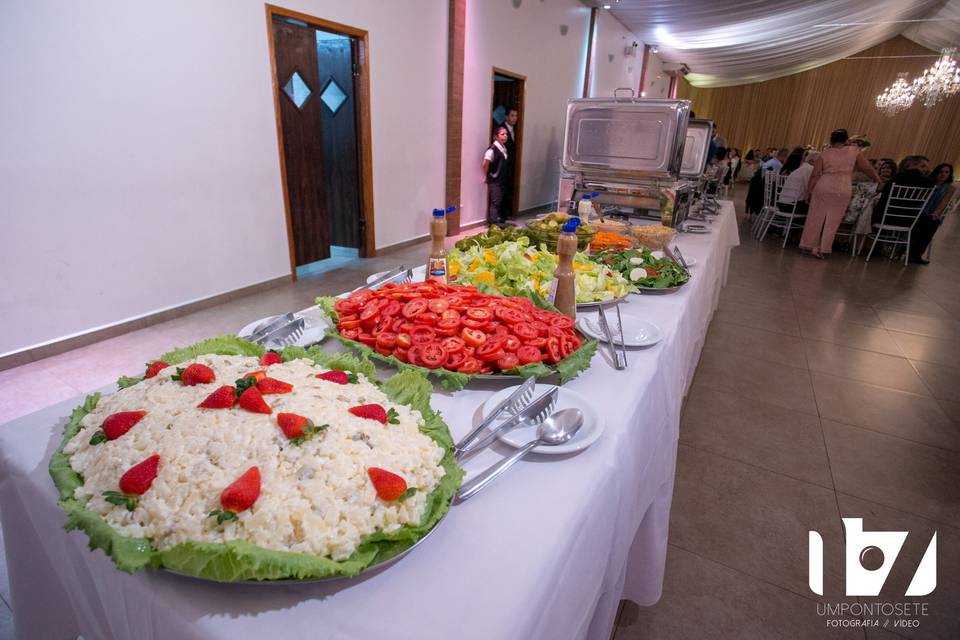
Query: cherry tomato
508	361
453	345
438	305
528	354
553	350
470	365
404	341
422	334
386	340
433	355
414	307
473	337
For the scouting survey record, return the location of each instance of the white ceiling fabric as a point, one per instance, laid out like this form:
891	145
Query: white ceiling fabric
727	42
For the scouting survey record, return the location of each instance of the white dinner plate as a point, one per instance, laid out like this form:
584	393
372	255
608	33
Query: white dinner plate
589	433
659	254
315	323
636	332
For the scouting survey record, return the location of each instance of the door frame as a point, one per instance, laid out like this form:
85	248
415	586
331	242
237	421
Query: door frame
497	71
364	142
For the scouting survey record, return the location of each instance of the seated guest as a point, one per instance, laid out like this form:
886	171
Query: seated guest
885	169
776	162
912	173
798	170
933	212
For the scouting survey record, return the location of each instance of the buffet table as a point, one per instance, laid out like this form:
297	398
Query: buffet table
546	552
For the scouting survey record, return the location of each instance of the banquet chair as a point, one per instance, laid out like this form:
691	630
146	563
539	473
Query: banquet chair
772	185
786	221
899	216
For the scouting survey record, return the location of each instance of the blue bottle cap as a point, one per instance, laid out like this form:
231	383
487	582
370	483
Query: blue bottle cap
438	213
595	194
571	225
451	208
586	197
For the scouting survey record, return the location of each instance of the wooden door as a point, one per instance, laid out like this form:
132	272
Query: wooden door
508	93
336	58
298	81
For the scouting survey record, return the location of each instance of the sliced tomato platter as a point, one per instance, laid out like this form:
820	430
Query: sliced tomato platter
459	329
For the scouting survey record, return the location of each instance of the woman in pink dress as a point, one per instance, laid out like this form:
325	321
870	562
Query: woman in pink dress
831	185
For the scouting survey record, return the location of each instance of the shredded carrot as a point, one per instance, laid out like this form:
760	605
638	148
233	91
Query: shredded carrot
607	240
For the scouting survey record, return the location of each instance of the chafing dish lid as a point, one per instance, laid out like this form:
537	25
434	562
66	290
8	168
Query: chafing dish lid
696	148
633	136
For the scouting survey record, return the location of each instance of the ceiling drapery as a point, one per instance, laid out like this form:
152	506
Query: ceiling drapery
727	42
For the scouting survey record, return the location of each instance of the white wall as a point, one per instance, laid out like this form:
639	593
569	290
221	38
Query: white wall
526	40
612	69
139	166
657	81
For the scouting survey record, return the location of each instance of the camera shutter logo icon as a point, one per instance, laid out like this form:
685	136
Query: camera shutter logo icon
863	581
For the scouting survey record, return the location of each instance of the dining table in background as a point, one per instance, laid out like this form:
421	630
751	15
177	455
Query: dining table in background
545	552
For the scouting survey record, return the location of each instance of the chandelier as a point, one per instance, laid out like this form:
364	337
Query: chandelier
940	81
897	97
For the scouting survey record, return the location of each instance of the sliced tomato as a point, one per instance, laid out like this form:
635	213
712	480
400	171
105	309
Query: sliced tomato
474	324
566	347
456	302
350	334
422	334
455	359
453	345
508	361
367	339
348	324
438	305
525	331
537	342
541	327
447	330
500	330
413	355
511	343
414	307
473	337
470	351
509	315
470	365
433	355
528	354
386	340
555	332
404	341
391	309
383	351
491	349
427	317
553	350
400	354
483	315
345	307
450	314
562	322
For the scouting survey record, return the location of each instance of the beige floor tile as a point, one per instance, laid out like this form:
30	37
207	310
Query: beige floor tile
931	326
757	343
777	298
777	384
865	366
898	413
757	317
943	381
832	312
753	520
758	433
848	334
705	599
946	352
952	409
891	471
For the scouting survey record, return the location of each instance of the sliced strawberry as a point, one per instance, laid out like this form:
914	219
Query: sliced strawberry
270	357
140	476
256	375
195	374
117	424
370	411
222	398
389	486
244	491
337	376
155	367
252	400
291	424
272	385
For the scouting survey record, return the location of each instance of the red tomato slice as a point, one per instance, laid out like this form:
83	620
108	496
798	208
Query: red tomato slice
470	365
413	355
508	361
509	315
537	342
455	360
391	309
541	327
525	331
397	323
404	341
427	317
491	350
555	332
414	307
453	345
500	330
473	337
470	351
553	350
433	355
367	339
483	315
400	354
474	324
450	314
563	322
438	305
350	334
422	334
528	354
383	351
345	307
566	347
348	324
511	343
386	340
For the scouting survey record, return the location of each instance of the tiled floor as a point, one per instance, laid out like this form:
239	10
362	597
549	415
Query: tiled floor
825	388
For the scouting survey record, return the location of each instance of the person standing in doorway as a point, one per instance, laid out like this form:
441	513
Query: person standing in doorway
510	122
494	173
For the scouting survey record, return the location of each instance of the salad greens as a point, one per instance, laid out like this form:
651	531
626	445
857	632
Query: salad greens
492	237
237	560
643	269
516	268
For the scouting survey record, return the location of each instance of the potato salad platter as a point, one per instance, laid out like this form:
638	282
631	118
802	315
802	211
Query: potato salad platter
229	463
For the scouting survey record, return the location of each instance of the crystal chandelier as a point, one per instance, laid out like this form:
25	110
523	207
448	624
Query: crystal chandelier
897	97
940	81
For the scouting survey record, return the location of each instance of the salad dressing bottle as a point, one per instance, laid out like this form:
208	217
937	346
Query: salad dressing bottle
565	295
437	263
584	209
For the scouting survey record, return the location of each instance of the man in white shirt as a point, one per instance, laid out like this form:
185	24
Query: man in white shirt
795	187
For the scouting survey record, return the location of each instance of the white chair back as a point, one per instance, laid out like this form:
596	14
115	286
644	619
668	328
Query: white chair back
772	185
904	206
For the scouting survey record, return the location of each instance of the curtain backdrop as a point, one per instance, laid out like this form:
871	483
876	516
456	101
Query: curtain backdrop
802	109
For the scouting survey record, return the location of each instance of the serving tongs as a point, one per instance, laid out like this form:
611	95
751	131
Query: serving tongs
677	257
399	275
619	357
512	404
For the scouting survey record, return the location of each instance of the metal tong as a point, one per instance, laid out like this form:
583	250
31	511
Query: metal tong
619	357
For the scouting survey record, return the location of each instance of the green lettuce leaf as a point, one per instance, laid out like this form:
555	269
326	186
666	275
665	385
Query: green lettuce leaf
127	381
571	366
238	560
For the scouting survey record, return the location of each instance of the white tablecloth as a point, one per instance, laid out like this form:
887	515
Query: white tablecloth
545	552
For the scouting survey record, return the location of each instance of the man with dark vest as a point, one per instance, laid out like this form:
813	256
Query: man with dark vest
495	161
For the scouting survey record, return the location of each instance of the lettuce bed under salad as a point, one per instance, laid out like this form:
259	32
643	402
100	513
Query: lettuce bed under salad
568	368
517	268
238	560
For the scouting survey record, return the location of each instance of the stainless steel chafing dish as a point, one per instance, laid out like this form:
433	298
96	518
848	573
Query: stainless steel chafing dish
634	154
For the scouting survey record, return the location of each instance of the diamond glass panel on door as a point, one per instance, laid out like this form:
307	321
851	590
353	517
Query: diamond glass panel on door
333	96
297	90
